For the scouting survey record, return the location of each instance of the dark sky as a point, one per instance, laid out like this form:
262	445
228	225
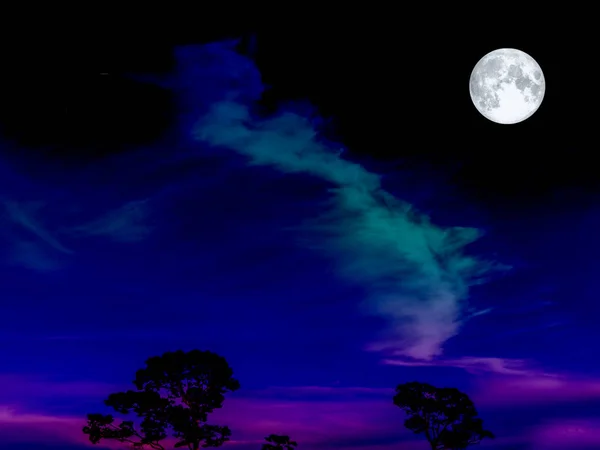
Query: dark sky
311	195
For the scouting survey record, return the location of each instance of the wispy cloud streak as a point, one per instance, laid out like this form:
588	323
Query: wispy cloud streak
127	223
24	214
476	365
416	274
31	244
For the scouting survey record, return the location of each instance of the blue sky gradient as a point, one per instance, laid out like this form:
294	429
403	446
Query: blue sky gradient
322	282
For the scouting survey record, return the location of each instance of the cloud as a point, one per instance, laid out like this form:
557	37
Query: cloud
315	425
416	273
124	224
344	418
566	433
513	382
31	244
34	246
18	426
318	417
504	366
31	255
536	390
337	417
25	215
26	427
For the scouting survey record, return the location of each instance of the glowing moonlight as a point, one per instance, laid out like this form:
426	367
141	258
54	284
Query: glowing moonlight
507	86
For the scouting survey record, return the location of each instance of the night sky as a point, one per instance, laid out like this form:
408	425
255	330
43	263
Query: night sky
316	200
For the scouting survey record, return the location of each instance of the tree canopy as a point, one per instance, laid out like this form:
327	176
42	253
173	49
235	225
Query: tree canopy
446	416
174	395
277	442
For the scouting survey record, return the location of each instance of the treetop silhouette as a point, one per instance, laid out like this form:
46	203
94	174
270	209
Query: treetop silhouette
446	416
279	442
175	393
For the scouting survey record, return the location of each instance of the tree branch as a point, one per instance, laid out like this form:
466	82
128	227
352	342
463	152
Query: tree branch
156	446
427	425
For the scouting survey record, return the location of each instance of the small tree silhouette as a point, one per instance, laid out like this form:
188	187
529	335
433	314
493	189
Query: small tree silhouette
446	416
175	393
276	442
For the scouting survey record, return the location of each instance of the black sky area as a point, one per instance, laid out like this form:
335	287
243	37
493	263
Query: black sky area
369	70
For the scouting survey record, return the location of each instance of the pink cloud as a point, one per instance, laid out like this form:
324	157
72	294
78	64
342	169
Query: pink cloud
20	423
19	426
340	417
511	382
535	390
344	417
315	423
566	434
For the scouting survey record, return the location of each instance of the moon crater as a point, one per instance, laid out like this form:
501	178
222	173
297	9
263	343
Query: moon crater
507	86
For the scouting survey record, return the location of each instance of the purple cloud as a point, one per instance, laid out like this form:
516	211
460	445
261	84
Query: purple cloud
567	434
318	417
535	390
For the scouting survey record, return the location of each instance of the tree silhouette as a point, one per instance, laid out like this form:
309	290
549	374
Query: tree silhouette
446	416
277	442
175	393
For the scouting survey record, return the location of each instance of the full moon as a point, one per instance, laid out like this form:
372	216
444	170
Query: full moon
507	86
